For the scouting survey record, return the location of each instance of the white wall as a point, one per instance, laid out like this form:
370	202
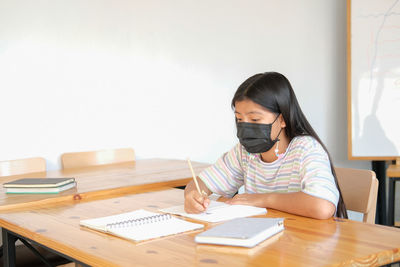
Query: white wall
158	75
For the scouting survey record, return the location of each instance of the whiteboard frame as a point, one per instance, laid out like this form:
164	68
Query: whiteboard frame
349	100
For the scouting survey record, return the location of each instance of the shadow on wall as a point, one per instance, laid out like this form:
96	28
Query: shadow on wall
374	139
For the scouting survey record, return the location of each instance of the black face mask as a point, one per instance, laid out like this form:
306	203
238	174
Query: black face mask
256	137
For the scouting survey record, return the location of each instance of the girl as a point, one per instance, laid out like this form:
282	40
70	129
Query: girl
280	159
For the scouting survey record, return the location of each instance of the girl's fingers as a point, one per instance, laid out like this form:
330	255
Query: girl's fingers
206	202
194	203
198	207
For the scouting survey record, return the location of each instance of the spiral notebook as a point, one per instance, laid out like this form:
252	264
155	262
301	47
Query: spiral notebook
140	225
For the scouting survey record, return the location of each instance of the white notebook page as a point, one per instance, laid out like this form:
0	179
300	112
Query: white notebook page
218	212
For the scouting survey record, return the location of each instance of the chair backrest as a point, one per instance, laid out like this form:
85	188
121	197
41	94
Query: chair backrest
360	190
22	166
92	158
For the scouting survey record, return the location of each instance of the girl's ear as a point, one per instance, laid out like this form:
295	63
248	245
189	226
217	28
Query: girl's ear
282	121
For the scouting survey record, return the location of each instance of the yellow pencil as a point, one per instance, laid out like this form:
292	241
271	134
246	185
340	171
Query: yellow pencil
195	179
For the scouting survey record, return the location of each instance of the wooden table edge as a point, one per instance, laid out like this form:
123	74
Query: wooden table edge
99	194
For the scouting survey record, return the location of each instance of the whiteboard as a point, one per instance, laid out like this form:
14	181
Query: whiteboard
158	76
374	79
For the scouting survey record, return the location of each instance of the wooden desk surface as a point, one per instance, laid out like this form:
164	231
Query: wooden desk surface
106	180
304	242
393	171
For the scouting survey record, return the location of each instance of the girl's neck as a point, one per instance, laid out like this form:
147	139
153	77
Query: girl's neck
270	155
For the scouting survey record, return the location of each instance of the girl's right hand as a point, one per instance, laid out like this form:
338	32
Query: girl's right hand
195	202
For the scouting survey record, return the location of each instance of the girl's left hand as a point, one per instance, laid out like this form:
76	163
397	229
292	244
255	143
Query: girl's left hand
247	199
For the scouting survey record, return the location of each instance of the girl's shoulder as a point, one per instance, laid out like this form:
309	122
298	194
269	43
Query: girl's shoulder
236	152
241	153
305	143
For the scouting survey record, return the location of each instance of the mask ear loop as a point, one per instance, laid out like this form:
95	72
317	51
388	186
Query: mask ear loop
279	156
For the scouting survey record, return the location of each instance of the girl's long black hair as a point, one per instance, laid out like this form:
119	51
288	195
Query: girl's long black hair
273	91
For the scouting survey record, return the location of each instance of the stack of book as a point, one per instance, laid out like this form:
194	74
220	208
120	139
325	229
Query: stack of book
39	185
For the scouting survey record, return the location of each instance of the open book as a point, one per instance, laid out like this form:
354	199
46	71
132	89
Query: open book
140	225
218	212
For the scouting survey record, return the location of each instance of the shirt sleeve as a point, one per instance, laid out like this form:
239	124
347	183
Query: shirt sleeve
226	175
317	178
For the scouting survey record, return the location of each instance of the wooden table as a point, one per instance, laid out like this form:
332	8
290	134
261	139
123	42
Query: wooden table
304	242
106	180
393	174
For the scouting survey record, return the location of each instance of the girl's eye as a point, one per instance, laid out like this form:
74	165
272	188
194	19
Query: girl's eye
255	120
238	119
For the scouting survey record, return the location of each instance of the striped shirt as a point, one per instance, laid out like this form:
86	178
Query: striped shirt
304	167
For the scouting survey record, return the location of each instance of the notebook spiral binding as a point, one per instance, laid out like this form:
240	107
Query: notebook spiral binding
139	221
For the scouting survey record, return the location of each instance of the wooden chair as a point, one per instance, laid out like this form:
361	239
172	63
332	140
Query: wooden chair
360	190
93	158
22	166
